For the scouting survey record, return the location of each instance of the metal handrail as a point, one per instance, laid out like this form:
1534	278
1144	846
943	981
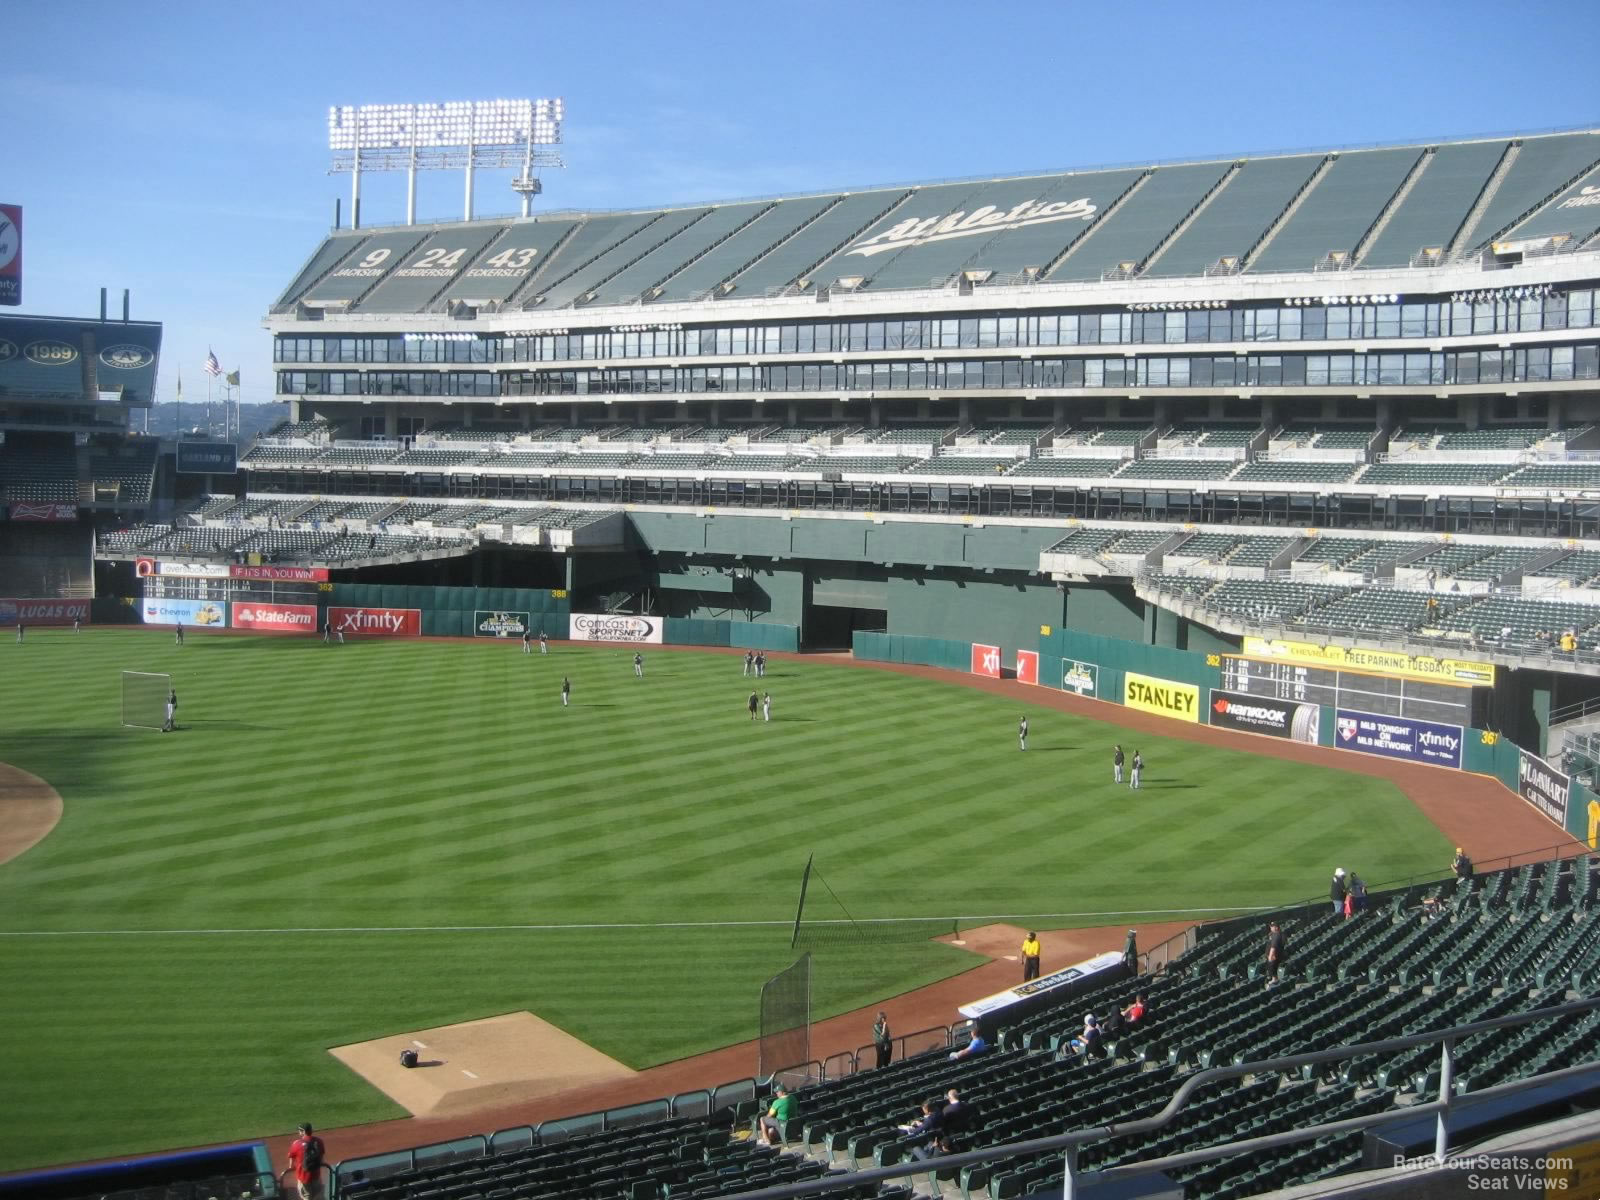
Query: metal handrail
1070	1142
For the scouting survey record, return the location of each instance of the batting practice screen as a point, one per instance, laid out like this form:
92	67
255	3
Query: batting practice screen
786	1019
144	699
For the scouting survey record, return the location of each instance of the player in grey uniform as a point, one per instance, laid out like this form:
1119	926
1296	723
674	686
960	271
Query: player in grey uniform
171	723
1116	763
1022	734
638	665
1138	766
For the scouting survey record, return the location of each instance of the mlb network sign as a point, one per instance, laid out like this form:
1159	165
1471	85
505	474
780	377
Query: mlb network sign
1399	737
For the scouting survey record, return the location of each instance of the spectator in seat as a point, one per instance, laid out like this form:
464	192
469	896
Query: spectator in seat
782	1110
1136	1011
976	1046
924	1124
1088	1042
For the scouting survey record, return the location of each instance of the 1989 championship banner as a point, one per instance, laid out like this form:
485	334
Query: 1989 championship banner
614	627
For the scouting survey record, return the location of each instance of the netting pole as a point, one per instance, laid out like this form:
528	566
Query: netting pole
800	909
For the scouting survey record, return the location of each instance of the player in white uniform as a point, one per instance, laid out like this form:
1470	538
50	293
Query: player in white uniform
638	665
566	691
1022	734
766	707
1138	766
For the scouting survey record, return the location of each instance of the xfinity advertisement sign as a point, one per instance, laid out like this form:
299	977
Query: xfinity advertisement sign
1399	737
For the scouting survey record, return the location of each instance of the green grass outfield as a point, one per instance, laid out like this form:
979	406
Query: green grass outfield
431	838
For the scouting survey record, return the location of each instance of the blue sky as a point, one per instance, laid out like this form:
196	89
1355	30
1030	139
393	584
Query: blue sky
178	149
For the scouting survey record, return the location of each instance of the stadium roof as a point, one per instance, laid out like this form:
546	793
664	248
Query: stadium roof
65	359
1300	212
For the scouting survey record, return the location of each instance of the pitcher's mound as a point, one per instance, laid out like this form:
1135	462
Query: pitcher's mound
491	1063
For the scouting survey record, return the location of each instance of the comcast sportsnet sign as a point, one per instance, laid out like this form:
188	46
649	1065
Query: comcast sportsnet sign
614	627
377	622
275	618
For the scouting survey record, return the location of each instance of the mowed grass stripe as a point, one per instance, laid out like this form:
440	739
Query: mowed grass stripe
430	784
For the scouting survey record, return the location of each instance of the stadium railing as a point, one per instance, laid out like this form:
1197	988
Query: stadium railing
726	1095
1070	1143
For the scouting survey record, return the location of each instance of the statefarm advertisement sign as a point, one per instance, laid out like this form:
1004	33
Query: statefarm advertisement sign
614	627
377	622
275	618
42	612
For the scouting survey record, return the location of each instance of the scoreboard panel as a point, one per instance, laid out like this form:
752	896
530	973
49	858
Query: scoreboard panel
1382	695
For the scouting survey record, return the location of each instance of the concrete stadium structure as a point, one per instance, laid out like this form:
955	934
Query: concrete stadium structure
1312	430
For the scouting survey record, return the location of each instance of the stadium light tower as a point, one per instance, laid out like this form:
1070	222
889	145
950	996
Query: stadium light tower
430	137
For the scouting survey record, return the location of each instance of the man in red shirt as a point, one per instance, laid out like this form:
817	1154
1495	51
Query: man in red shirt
306	1157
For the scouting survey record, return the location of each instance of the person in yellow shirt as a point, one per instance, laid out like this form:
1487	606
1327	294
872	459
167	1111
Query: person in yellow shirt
1030	957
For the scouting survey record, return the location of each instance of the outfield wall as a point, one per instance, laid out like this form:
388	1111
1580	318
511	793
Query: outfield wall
1187	686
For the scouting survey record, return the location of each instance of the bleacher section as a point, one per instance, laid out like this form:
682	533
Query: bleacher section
1167	221
38	469
125	475
1414	961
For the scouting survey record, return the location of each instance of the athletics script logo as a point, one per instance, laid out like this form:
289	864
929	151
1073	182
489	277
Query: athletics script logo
988	219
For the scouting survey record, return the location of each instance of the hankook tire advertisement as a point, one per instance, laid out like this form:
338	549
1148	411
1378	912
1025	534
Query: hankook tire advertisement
1258	714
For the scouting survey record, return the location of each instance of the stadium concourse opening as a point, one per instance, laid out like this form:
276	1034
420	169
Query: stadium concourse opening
834	628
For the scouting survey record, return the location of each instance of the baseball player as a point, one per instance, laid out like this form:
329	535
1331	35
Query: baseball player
638	665
527	641
1022	734
171	723
177	634
766	707
749	663
544	643
566	691
1116	763
752	704
1138	766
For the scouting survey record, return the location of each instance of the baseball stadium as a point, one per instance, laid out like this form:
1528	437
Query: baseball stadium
614	737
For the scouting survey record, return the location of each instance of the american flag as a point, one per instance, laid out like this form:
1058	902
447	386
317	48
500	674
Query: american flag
213	367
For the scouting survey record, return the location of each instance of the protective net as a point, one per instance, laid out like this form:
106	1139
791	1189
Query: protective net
786	1019
144	699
